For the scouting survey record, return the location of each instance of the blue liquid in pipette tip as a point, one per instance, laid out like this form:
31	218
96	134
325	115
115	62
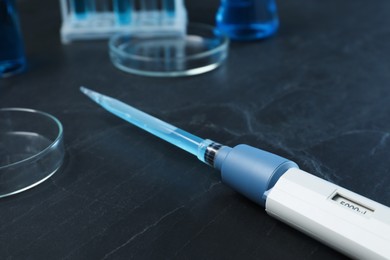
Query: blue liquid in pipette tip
123	11
12	59
247	19
182	139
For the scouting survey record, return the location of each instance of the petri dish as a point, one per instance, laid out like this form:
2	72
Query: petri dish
31	148
200	50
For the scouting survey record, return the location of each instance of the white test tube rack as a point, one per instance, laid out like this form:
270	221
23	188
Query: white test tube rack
103	18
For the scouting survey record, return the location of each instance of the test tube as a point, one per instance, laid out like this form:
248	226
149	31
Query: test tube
169	7
148	12
148	5
102	6
123	11
82	8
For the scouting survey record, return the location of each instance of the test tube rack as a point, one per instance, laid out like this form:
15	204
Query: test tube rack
100	19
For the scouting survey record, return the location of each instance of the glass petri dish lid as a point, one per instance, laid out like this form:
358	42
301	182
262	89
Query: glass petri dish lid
31	148
200	50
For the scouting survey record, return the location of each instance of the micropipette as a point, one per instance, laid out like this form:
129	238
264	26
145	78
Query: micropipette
346	221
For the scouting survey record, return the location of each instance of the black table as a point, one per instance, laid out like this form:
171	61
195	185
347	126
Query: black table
317	93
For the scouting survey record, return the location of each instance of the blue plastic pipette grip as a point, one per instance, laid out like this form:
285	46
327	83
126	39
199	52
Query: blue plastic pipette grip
251	171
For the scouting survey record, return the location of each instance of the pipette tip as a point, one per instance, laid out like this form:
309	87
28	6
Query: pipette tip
85	90
91	94
205	150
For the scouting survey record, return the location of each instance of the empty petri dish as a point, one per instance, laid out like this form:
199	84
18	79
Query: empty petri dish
200	50
31	148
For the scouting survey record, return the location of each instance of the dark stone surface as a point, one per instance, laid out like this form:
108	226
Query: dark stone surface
317	93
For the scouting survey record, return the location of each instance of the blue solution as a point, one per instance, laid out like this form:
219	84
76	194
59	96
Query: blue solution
169	7
12	59
155	126
82	8
247	19
123	11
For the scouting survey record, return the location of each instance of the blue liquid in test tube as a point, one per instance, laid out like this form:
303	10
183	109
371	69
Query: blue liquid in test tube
247	19
123	11
82	8
12	59
169	7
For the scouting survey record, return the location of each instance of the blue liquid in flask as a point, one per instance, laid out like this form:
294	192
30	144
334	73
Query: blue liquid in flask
12	58
247	19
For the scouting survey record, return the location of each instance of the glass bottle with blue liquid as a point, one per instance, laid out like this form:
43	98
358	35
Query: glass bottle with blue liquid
247	19
12	59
